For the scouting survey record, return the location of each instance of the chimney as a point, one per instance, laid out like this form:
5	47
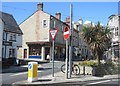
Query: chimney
40	6
58	15
67	21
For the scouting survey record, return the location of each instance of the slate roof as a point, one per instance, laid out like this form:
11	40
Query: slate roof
10	23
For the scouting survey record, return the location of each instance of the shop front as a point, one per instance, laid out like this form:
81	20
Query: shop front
40	50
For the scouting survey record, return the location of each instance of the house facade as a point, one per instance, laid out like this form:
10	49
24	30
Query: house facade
11	37
113	23
1	32
83	48
37	43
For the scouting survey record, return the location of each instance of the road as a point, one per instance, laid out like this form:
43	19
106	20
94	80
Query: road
108	82
12	76
46	69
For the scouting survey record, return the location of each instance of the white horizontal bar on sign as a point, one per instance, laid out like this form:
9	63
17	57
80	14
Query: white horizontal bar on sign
67	32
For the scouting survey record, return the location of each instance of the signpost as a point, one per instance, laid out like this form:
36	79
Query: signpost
66	36
71	45
53	33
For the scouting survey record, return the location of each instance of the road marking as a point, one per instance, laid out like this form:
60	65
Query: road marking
114	79
22	73
99	82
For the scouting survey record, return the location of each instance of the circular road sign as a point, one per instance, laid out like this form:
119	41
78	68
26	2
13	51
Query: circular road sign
66	33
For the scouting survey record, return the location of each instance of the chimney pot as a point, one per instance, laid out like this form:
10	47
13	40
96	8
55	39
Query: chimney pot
67	21
58	15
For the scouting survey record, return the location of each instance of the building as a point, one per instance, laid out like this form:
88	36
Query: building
113	24
83	48
37	43
1	32
11	37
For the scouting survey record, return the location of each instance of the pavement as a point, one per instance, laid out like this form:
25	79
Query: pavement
60	78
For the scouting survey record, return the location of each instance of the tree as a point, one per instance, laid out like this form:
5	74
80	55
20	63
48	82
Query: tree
98	39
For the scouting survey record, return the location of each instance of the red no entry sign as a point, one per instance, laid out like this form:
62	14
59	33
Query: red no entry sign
66	33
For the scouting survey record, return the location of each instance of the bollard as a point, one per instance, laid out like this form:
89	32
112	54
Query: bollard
32	71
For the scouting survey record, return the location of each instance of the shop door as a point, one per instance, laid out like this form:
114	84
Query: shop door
25	53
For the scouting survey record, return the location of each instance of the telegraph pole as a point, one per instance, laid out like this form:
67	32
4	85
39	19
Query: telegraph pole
71	46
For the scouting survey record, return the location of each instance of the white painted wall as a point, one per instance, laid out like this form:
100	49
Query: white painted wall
1	36
114	23
15	44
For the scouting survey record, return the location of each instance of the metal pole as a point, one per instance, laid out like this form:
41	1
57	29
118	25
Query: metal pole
53	59
70	48
66	65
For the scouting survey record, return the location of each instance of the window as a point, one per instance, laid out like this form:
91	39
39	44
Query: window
44	23
116	33
62	28
12	37
77	27
54	24
11	52
117	28
4	36
2	52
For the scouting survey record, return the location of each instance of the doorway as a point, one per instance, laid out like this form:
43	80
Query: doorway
25	53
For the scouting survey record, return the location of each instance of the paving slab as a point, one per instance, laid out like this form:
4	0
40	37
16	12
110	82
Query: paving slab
60	78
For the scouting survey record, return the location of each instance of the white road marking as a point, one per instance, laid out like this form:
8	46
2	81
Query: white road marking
22	73
99	82
114	79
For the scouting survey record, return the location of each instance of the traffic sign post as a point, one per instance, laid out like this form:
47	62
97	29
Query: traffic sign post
71	45
66	36
53	33
66	62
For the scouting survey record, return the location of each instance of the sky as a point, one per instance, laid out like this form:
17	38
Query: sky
92	11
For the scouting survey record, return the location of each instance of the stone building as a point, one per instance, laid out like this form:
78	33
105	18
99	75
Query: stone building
37	43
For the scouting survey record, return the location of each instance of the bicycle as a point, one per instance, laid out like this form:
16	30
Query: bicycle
75	69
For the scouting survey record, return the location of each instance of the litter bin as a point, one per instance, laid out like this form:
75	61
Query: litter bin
32	71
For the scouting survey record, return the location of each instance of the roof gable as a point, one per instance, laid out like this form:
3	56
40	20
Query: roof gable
10	24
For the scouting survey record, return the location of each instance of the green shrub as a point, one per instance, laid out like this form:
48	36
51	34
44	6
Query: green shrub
88	63
110	68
